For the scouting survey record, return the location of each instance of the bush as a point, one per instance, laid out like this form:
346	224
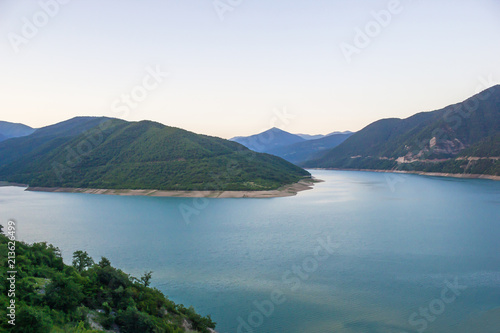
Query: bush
32	320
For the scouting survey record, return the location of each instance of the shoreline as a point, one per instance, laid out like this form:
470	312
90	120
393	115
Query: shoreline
422	173
284	191
5	184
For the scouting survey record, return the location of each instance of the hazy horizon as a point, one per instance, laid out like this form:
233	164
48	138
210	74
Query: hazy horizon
242	67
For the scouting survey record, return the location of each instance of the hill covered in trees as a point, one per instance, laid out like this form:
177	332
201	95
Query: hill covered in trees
461	138
87	297
105	153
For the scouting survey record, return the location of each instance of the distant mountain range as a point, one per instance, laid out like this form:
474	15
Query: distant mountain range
12	130
268	140
300	152
310	137
320	136
89	152
295	148
461	138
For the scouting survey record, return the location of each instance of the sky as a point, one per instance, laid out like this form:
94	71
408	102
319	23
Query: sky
237	67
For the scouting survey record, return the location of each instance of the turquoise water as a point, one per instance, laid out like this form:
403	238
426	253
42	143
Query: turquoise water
362	252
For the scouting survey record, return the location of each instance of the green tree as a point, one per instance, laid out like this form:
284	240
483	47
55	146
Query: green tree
104	262
81	329
146	278
64	293
82	260
132	320
33	320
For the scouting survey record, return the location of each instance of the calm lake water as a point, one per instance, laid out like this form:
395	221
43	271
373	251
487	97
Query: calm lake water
362	252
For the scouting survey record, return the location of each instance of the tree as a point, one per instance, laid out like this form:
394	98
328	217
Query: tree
64	293
133	320
82	260
146	278
81	329
33	320
104	262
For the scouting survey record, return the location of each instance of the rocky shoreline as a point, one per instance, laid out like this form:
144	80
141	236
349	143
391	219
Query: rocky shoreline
285	191
422	173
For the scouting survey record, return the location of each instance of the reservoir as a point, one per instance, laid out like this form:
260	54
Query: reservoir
362	252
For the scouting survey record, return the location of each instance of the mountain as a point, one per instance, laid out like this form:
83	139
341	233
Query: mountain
456	139
295	148
45	139
337	132
12	130
115	154
311	137
302	151
268	140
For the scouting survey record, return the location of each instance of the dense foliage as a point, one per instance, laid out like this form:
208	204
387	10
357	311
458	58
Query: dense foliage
115	154
475	167
488	147
87	297
45	139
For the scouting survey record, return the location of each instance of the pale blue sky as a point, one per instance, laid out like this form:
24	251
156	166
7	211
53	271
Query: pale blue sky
228	77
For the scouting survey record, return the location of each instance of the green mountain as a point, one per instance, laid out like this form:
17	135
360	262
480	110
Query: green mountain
114	154
45	139
12	130
460	138
86	297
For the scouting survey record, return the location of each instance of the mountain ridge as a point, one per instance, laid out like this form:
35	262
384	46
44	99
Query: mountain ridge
269	139
13	130
108	153
302	151
295	148
427	141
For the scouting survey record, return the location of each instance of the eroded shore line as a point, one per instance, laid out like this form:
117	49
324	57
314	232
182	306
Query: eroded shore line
422	173
284	191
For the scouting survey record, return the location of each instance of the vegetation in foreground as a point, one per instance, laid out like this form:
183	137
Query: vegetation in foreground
85	297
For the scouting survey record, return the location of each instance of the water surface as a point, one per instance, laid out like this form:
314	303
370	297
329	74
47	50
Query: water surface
396	243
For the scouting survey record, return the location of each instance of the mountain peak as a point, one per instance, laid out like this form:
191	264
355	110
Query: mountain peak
269	139
276	129
137	155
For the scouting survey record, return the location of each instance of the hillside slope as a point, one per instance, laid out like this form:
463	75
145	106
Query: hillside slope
13	130
115	154
450	140
51	296
45	139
